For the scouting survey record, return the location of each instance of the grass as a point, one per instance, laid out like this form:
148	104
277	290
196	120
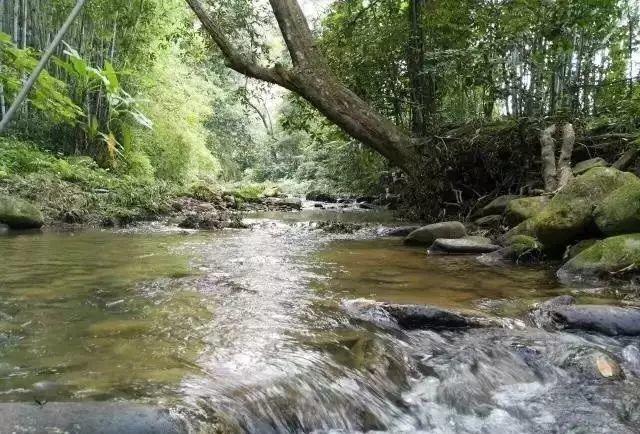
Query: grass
76	190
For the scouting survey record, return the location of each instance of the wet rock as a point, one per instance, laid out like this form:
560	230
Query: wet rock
613	256
608	320
287	203
586	165
631	355
426	235
318	205
521	209
608	367
365	199
619	212
461	246
561	300
397	232
366	205
320	196
412	316
591	363
19	214
89	417
210	221
497	205
493	221
568	216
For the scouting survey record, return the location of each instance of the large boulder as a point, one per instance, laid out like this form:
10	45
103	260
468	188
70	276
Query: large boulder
587	165
497	205
569	215
88	417
521	209
462	246
612	255
619	212
426	235
19	214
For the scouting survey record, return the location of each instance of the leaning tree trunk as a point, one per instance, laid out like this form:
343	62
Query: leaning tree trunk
312	79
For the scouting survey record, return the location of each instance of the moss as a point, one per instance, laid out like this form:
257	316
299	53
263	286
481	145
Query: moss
611	255
19	214
524	247
569	214
619	213
519	210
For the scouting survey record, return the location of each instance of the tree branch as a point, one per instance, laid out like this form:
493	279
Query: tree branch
235	59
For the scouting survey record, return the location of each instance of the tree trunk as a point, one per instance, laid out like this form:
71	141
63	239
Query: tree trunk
566	151
312	79
415	64
548	154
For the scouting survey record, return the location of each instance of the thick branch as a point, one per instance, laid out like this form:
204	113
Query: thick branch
234	58
548	154
295	31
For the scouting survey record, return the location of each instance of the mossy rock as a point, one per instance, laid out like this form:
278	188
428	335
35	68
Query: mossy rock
578	248
519	210
271	191
568	217
525	228
19	214
619	212
426	235
497	205
613	255
523	248
587	165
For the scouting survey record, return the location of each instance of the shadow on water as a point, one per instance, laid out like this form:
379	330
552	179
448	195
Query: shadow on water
245	327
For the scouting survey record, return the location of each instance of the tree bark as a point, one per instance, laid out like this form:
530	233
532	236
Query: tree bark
548	154
566	151
312	79
415	64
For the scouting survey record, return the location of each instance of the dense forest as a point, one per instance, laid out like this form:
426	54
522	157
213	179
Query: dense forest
459	90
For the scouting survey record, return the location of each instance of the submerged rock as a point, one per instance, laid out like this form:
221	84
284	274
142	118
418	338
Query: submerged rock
19	214
631	355
461	246
608	320
586	165
89	417
568	217
426	235
521	209
613	256
577	248
202	221
619	212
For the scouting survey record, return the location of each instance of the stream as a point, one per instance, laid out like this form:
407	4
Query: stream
252	331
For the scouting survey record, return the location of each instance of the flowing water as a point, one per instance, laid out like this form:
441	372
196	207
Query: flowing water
252	330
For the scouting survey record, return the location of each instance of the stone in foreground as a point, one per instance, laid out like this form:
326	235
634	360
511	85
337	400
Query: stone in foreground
88	418
619	213
19	214
463	246
426	235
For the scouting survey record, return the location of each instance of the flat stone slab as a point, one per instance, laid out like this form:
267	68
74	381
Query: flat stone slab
462	246
88	418
608	320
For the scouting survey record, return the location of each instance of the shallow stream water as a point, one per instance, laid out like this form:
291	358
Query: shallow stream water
251	330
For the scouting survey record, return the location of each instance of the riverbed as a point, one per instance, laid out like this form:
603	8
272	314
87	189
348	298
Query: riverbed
250	330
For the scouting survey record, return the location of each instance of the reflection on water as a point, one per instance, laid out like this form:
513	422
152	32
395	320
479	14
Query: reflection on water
246	326
386	270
